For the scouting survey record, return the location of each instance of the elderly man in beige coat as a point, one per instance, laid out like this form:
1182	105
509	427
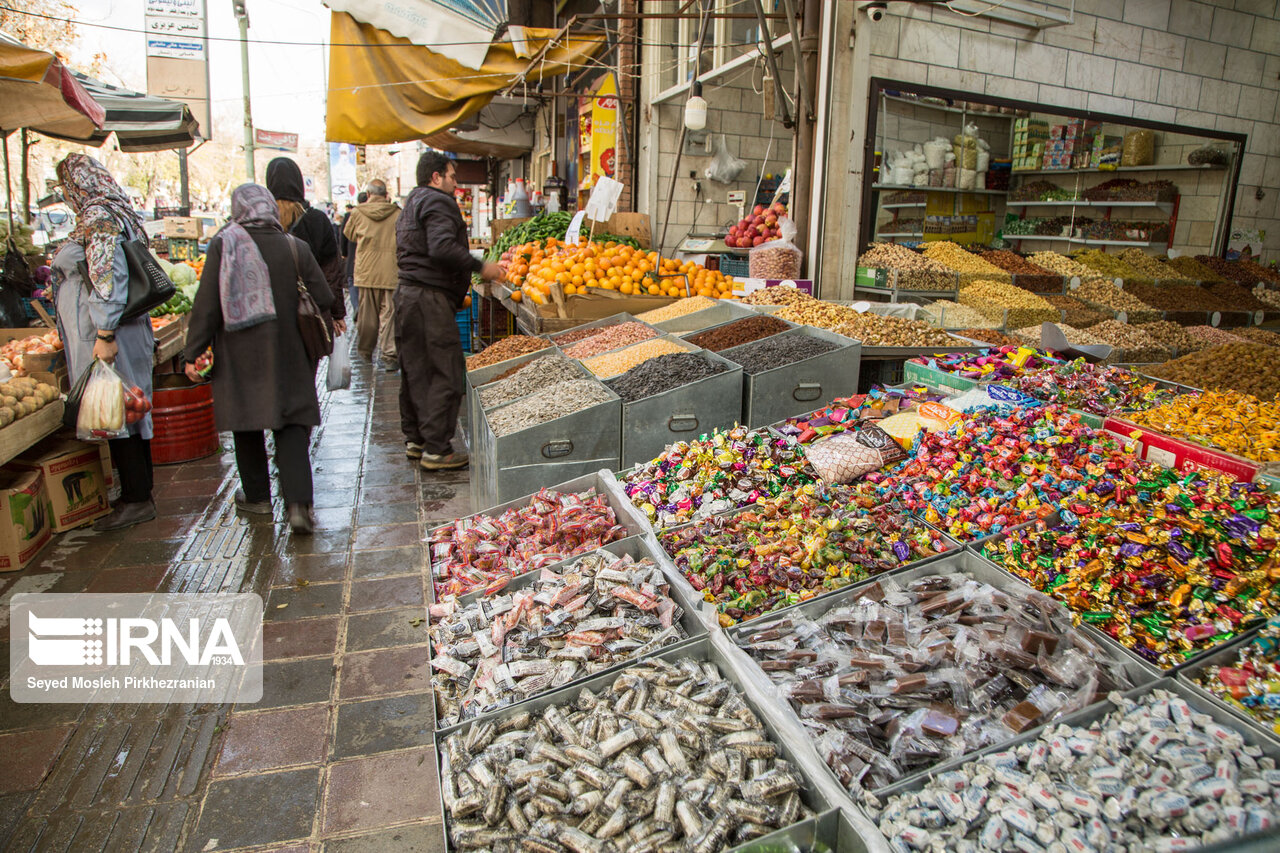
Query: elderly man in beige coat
372	228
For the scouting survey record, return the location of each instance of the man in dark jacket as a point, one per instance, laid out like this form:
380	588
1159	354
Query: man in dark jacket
435	267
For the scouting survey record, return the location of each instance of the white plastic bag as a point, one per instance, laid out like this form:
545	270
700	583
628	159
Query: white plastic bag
724	168
339	365
102	405
779	259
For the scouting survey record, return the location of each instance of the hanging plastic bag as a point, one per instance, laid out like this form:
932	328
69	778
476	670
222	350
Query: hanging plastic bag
779	259
102	410
724	168
339	365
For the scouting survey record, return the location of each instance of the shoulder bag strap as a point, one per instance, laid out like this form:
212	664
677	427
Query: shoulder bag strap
297	269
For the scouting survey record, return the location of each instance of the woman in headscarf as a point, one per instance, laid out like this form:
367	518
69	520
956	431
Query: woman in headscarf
310	225
91	288
247	308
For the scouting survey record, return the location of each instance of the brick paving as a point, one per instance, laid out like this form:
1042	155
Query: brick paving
337	757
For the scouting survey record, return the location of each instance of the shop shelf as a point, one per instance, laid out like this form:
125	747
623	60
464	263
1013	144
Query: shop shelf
904	204
1163	206
1168	167
897	99
899	234
896	187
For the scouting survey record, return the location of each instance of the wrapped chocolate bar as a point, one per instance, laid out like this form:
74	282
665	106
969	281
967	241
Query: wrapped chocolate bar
900	676
483	550
595	612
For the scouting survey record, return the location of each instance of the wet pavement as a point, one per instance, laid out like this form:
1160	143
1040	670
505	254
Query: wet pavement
338	754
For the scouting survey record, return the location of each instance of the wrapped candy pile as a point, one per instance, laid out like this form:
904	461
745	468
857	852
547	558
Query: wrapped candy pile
486	551
1168	563
727	469
1237	423
990	365
1092	388
995	471
847	412
1250	682
800	544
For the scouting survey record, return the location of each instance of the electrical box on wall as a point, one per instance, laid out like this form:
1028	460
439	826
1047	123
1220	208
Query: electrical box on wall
697	143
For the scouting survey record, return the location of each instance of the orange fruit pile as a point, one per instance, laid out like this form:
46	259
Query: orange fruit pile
537	266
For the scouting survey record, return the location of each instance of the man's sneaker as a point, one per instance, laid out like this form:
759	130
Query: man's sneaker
256	507
413	450
444	462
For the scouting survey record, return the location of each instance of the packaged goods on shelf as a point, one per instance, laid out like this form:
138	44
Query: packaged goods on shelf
1247	367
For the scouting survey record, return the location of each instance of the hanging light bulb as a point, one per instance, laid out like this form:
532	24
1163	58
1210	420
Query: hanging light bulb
695	109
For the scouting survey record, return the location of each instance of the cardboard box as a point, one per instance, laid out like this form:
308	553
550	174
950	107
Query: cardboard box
1178	454
24	517
187	227
73	479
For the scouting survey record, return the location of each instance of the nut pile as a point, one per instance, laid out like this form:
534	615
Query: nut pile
990	336
678	309
1110	266
1074	312
1104	786
1173	337
1263	274
777	351
611	338
915	271
1107	297
1190	268
970	266
817	312
776	296
874	330
1026	274
1214	337
1258	336
1080	337
774	261
954	693
739	332
1179	298
667	756
663	373
1227	270
620	361
1062	265
593	613
1247	368
1235	297
1149	266
1237	423
1004	302
554	401
951	315
1134	344
572	336
538	373
1268	296
505	349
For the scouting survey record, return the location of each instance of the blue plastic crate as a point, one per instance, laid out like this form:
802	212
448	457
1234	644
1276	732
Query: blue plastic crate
735	265
463	319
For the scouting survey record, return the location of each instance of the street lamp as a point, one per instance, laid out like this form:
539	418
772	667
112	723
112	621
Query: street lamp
242	16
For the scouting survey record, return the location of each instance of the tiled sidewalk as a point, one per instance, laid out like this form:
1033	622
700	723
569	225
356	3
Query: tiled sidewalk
337	756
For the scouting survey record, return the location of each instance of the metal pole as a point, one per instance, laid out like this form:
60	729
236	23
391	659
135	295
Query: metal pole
24	148
242	15
806	80
184	180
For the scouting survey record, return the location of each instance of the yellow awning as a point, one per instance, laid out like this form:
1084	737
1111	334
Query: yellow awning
384	89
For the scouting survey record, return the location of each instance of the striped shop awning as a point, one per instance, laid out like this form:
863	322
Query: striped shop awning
140	122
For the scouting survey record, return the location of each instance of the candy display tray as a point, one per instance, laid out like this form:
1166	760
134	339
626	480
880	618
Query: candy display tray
1111	642
965	561
627	515
701	650
923	374
678	577
1225	655
634	546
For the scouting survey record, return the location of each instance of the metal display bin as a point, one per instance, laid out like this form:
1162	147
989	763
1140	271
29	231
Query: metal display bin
963	561
1225	655
790	326
725	311
611	320
793	389
634	546
628	516
650	424
830	832
483	376
701	650
505	467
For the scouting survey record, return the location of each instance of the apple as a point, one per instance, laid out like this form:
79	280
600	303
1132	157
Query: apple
757	241
771	221
757	210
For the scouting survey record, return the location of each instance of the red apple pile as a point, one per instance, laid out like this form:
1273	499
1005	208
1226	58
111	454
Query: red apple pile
761	226
136	405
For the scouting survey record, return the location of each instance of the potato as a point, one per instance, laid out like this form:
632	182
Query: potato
7	416
9	400
7	389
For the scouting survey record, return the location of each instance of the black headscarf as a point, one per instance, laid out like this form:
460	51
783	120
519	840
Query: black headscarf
284	179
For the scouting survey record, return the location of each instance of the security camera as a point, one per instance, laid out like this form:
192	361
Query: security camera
875	11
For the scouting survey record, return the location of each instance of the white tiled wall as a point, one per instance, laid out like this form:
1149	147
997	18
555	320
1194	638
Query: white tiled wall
1212	65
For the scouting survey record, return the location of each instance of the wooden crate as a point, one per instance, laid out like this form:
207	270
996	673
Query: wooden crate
635	225
39	361
20	435
171	339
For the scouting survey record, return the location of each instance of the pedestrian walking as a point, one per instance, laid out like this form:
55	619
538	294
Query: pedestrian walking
263	379
371	229
91	289
435	267
313	227
348	251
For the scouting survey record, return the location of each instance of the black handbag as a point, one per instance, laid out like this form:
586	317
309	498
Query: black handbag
317	337
149	287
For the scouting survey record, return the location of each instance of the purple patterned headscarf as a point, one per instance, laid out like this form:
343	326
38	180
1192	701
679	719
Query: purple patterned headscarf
244	283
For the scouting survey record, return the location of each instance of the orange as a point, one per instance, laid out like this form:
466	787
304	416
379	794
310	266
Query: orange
517	295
